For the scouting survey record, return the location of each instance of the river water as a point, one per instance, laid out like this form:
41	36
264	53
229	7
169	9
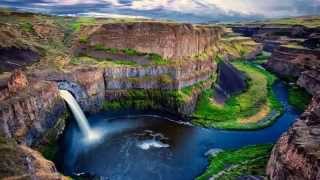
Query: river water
152	146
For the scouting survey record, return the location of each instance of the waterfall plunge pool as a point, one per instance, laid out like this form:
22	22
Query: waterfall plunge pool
149	145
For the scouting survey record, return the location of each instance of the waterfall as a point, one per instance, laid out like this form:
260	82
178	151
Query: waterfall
78	114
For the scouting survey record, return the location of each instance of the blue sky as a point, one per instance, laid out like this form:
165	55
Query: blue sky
179	10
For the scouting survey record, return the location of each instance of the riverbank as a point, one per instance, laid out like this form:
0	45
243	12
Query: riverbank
252	109
231	164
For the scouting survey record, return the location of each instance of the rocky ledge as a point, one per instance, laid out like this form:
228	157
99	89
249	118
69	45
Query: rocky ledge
21	162
291	61
297	153
170	40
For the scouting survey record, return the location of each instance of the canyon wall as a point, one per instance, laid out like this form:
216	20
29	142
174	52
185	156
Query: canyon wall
170	40
296	154
272	36
28	113
29	108
292	61
21	162
159	77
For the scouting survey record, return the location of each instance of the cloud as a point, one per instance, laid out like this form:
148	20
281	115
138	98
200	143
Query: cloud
181	10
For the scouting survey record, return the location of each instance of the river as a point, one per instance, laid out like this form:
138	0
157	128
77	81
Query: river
150	145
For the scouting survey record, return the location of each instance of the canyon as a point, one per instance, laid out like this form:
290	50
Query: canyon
162	66
295	57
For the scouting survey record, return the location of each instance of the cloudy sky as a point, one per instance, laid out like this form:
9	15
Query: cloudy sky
179	10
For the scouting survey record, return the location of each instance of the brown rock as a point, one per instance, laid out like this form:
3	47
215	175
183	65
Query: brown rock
170	40
297	153
17	82
21	162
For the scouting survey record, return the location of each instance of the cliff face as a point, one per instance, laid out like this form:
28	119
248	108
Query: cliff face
292	61
27	113
21	162
272	36
170	40
296	155
159	77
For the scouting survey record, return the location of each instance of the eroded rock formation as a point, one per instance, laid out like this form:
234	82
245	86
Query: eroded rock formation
21	162
170	40
292	61
297	153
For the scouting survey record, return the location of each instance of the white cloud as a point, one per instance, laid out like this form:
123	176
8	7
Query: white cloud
269	8
75	2
108	15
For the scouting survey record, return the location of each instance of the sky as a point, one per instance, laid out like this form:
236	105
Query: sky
178	10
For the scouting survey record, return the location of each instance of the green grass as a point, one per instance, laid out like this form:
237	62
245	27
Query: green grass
250	160
27	27
81	21
262	58
298	98
259	93
83	39
305	21
84	60
157	59
154	98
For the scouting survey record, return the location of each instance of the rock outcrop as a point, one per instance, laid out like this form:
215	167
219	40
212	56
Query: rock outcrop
230	81
292	61
170	40
272	36
28	111
13	58
21	162
174	76
297	153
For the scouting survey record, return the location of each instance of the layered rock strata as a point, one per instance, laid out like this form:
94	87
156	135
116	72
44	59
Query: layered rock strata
170	40
292	61
297	153
29	111
21	162
159	77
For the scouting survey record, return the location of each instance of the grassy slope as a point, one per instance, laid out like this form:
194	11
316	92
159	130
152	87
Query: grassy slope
227	116
249	160
311	21
299	98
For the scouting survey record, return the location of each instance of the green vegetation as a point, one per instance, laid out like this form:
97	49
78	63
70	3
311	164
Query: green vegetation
157	59
299	98
27	27
309	21
82	21
154	98
237	47
11	158
262	58
231	164
50	146
84	60
258	97
83	39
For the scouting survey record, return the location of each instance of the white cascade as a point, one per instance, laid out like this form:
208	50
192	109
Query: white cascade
78	114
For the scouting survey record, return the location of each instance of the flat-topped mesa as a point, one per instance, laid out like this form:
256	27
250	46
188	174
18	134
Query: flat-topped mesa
170	40
274	35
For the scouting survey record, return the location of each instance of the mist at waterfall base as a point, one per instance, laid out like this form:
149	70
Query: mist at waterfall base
149	145
89	134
